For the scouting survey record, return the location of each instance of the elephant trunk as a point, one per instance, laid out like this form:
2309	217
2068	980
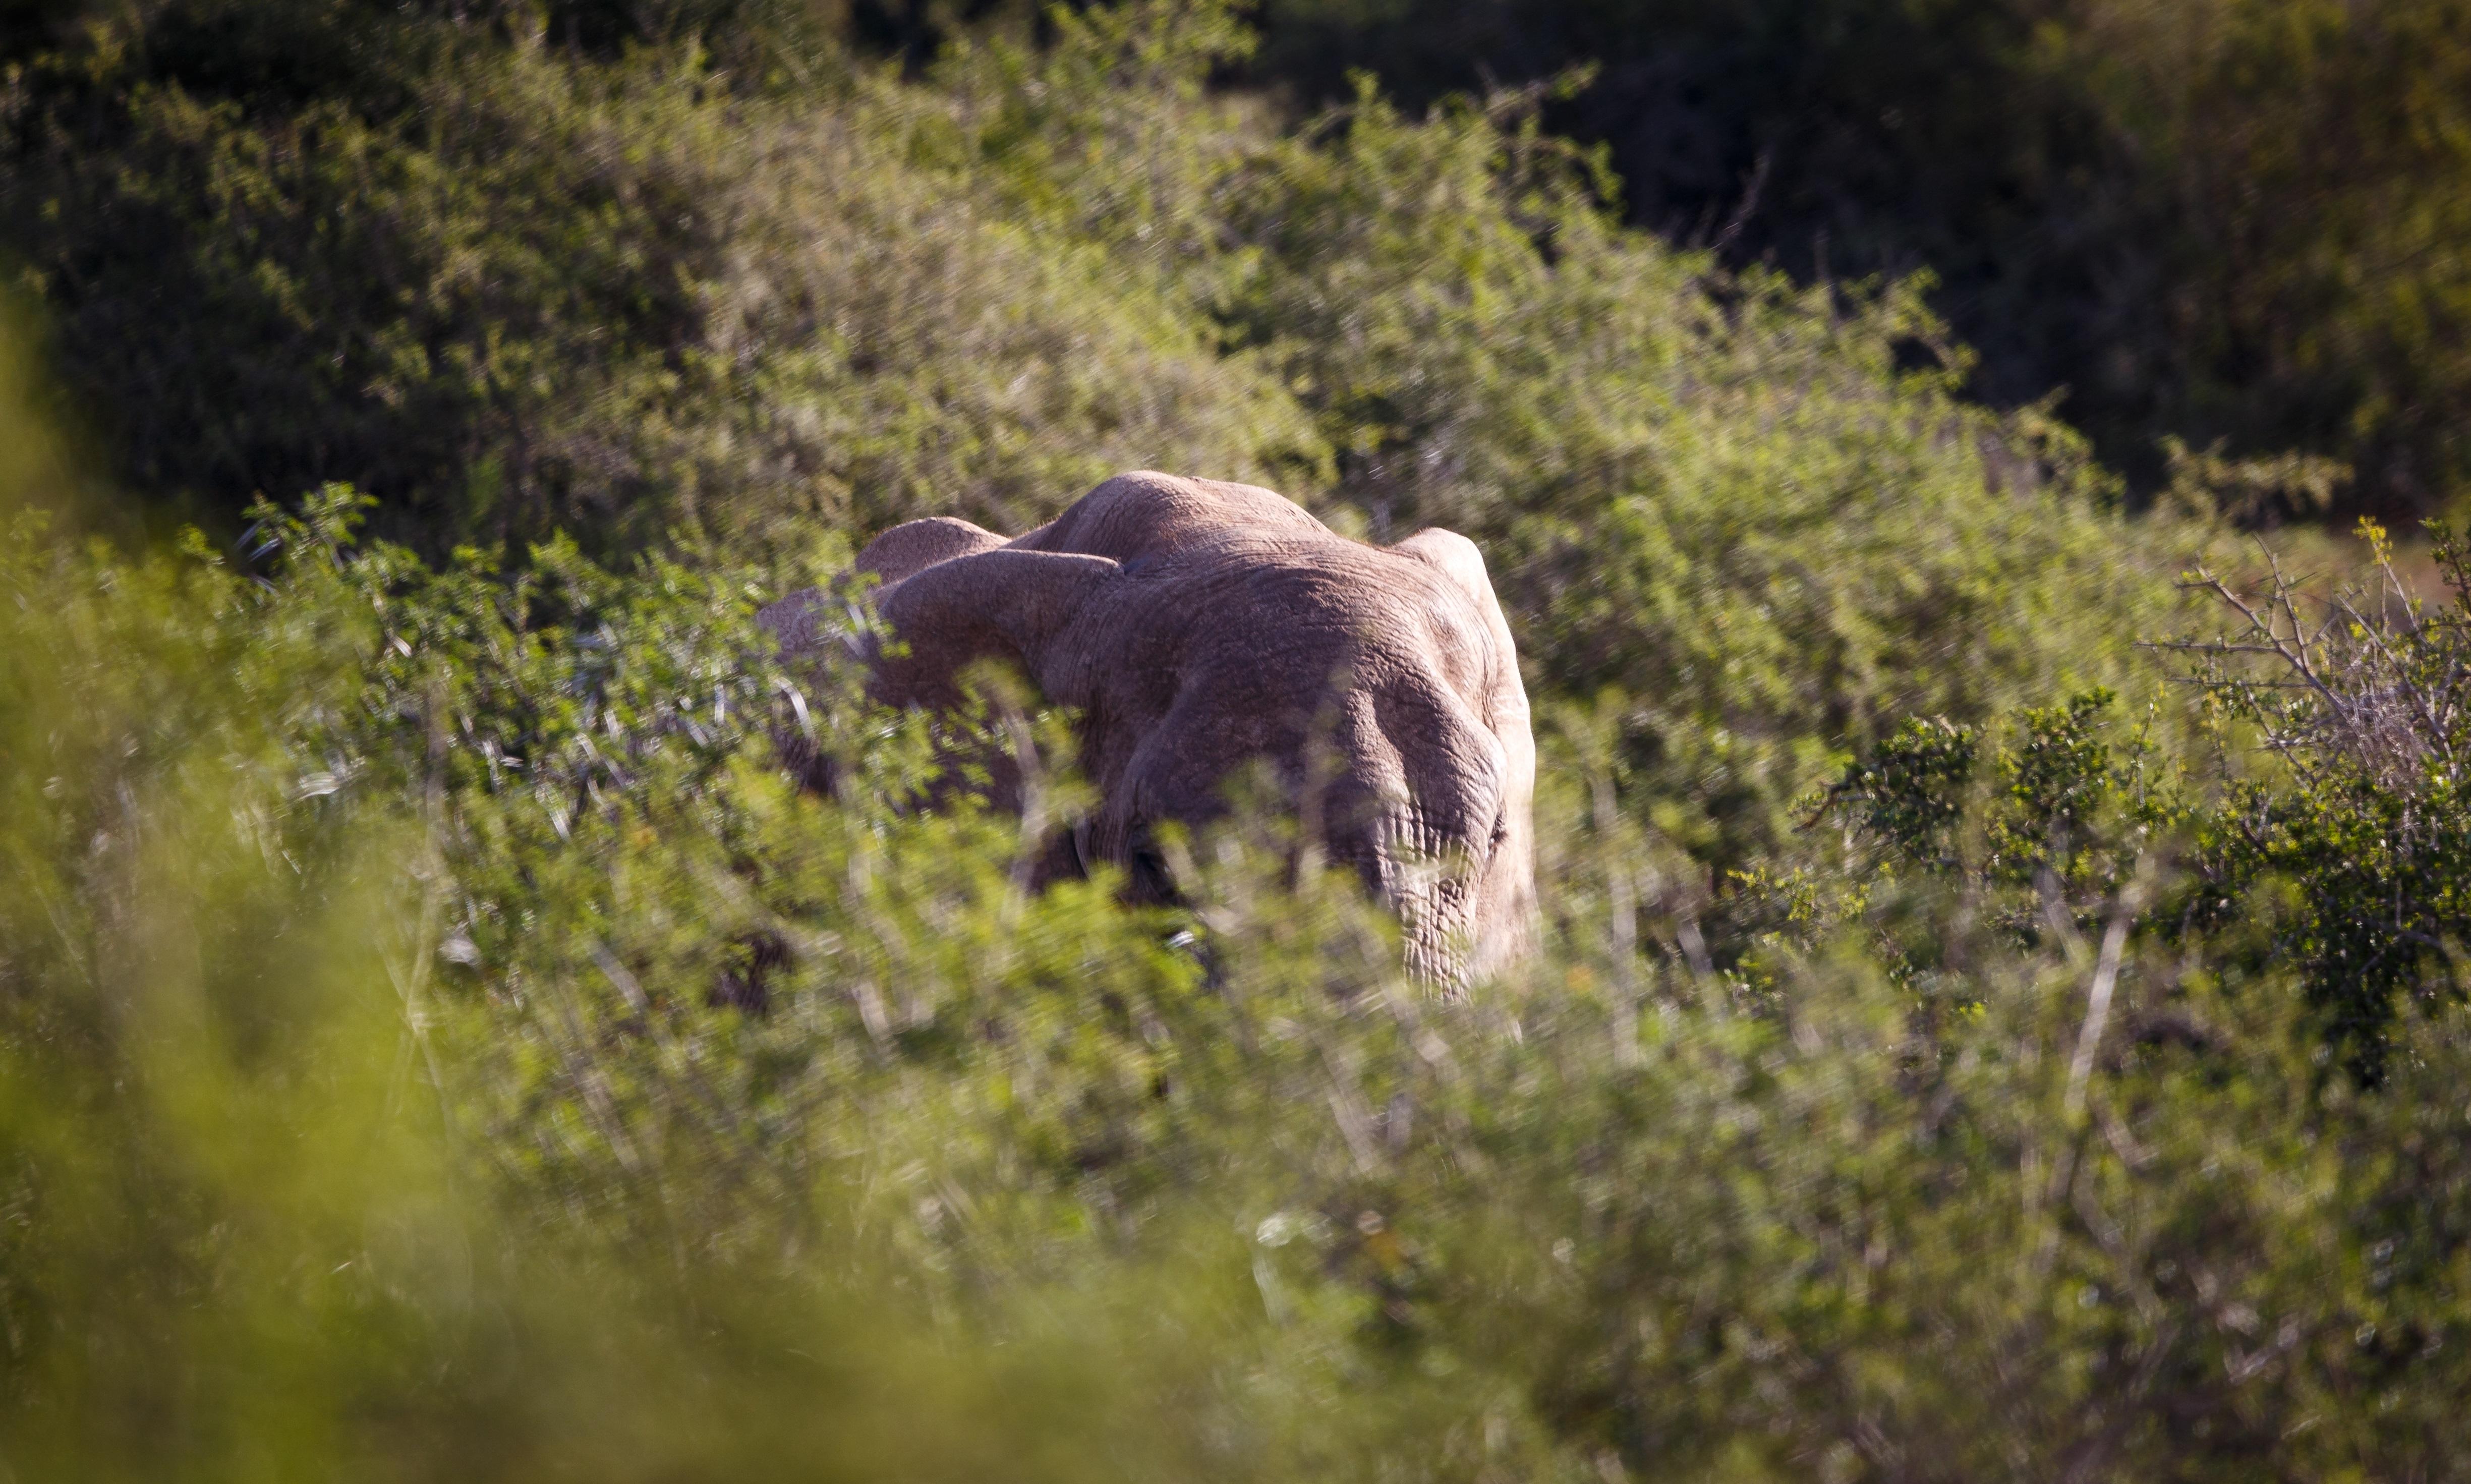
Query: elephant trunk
1433	840
1428	877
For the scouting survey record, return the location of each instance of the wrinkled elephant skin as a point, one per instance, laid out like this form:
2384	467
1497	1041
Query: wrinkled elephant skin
1197	626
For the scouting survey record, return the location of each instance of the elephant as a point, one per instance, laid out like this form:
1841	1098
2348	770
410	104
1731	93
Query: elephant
1196	626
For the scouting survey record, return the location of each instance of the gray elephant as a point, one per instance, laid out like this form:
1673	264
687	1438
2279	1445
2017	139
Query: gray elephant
1197	626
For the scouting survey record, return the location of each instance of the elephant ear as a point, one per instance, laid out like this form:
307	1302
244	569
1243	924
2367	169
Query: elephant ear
1458	560
1457	556
797	622
906	549
1463	564
913	546
1003	604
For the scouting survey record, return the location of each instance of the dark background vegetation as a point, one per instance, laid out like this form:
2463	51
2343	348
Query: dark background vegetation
2234	222
1999	1012
2215	221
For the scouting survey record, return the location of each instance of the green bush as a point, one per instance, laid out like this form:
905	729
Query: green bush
2323	812
2228	225
2356	697
2228	220
548	295
1722	498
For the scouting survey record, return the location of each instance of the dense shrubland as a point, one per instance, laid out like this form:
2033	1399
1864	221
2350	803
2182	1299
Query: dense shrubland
2210	220
519	293
440	1041
2231	223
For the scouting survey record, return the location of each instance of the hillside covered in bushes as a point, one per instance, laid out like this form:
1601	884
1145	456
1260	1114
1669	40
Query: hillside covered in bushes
2231	224
2233	221
1999	1009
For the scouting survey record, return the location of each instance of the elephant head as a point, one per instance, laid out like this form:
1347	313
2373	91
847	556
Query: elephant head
1198	627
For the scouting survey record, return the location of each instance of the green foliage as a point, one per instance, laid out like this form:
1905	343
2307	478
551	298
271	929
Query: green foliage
2358	698
440	1039
2231	220
365	1111
1910	791
622	300
2224	225
2038	828
546	295
2062	790
2332	838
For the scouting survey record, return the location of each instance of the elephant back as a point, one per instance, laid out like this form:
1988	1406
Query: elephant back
1147	514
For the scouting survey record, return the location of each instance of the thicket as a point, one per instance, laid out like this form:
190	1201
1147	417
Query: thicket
520	290
437	1039
2230	226
2233	221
